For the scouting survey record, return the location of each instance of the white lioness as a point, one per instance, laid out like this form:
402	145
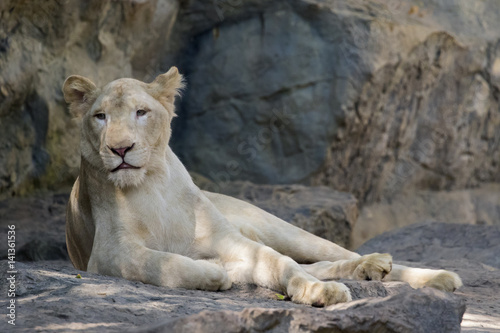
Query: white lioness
135	213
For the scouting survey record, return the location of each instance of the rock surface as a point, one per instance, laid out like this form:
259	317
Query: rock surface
398	313
50	298
472	251
479	205
40	226
370	97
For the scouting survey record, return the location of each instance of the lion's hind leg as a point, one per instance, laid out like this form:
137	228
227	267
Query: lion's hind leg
252	262
369	267
422	277
378	266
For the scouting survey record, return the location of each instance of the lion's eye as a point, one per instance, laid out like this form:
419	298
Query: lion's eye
100	116
141	113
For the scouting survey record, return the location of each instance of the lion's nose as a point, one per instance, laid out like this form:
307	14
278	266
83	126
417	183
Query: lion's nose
121	151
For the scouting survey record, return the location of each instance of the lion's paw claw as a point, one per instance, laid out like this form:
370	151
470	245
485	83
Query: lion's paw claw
373	266
445	281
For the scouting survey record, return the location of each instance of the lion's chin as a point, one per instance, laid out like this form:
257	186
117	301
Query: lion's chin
124	178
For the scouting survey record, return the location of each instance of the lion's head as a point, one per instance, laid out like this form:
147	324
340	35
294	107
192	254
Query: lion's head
125	126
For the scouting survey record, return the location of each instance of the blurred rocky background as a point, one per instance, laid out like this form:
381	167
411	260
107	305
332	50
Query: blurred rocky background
395	102
347	118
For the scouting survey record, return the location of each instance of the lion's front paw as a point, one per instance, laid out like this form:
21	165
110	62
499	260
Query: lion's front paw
214	276
373	267
319	293
445	281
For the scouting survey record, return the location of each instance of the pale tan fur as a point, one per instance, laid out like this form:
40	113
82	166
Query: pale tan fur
153	224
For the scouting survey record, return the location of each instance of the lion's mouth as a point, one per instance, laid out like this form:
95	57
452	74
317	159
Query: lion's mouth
124	165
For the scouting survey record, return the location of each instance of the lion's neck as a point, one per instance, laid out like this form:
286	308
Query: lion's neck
95	177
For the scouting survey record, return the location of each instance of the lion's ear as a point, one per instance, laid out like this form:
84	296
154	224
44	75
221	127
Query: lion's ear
79	92
167	86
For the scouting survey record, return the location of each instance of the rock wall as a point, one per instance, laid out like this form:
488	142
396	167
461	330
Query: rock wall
365	97
370	97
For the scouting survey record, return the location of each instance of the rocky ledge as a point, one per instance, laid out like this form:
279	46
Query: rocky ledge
51	298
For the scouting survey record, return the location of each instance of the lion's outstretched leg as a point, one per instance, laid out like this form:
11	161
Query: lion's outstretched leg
378	267
133	261
328	260
421	277
322	258
287	239
251	262
369	267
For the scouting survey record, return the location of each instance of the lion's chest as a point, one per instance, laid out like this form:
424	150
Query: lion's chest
163	224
